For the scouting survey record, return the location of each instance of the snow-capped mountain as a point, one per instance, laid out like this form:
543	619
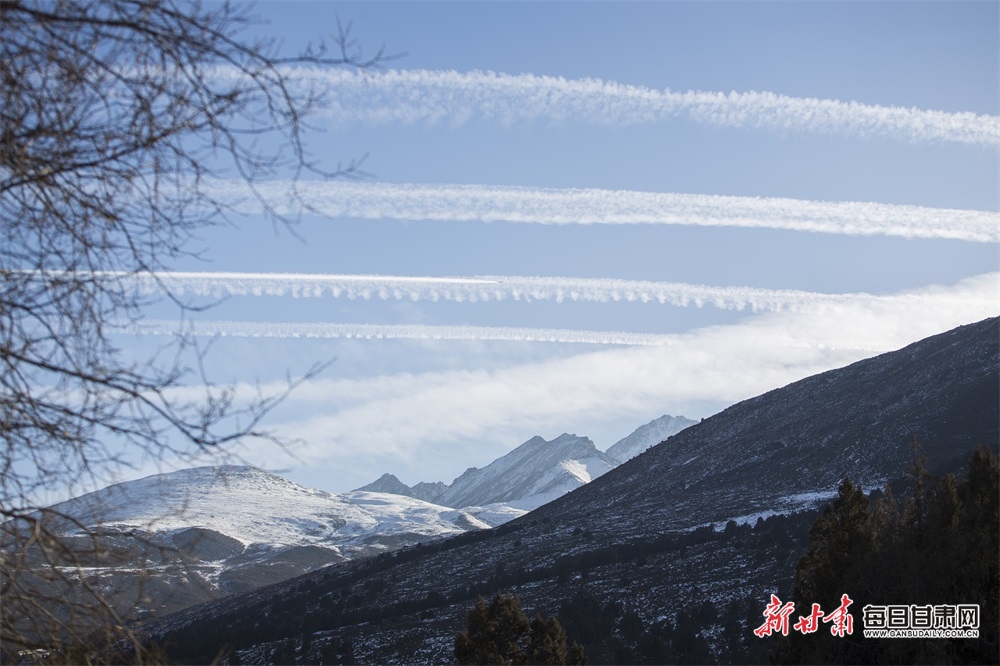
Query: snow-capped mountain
646	436
534	473
388	483
199	533
255	507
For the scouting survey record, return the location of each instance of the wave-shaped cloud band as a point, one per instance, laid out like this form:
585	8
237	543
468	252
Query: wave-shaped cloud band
493	288
266	329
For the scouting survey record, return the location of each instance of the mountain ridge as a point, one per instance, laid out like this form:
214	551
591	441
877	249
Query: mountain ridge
876	432
644	542
569	461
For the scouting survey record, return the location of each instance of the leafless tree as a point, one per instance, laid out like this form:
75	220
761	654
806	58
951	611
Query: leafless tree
115	116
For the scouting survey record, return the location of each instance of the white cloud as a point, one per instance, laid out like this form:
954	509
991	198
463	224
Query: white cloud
424	423
494	288
426	96
485	203
261	329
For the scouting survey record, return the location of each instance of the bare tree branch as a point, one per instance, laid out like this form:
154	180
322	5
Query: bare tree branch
114	115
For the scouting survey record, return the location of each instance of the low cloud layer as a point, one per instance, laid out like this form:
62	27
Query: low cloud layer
416	421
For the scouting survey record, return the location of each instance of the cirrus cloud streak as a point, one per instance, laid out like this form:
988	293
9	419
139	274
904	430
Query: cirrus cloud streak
448	96
587	206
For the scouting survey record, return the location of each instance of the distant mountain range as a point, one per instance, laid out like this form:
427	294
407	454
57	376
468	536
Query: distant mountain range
198	534
533	474
669	557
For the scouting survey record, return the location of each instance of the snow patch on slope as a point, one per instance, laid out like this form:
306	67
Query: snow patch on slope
783	507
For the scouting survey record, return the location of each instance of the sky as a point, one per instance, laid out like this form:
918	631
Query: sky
583	216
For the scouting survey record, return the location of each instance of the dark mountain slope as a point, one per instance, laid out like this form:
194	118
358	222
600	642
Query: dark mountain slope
774	450
622	559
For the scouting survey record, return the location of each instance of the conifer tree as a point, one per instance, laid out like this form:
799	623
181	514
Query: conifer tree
546	642
942	547
500	633
495	634
841	541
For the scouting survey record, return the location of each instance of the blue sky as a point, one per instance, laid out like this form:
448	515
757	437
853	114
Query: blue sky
827	192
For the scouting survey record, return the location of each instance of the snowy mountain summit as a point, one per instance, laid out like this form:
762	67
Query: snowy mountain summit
534	473
388	483
646	436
